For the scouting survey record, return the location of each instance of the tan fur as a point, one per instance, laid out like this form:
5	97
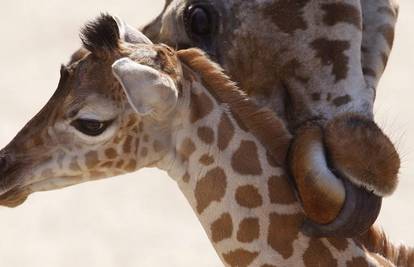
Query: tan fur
369	155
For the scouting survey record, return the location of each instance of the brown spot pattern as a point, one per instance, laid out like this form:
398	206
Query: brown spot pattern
340	244
91	159
187	148
283	230
249	230
341	12
280	191
111	153
318	254
212	187
240	257
248	196
201	106
131	166
225	132
127	145
222	228
246	159
341	100
331	52
206	134
287	15
206	160
369	72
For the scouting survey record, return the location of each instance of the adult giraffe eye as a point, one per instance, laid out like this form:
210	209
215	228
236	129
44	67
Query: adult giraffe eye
200	20
91	127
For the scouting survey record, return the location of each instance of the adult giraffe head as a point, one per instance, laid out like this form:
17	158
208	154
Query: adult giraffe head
317	64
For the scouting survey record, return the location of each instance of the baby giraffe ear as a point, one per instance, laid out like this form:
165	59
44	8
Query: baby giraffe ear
148	90
130	34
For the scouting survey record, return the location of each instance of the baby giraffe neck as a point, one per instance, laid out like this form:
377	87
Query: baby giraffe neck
238	190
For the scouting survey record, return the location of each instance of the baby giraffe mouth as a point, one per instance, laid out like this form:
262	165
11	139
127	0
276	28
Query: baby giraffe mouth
18	194
14	197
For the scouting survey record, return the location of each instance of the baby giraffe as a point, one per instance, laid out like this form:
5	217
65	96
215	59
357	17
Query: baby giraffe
124	104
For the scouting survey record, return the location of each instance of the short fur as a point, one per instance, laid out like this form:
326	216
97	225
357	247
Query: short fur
261	122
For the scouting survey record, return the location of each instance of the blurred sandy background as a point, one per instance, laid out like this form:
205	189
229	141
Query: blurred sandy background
141	219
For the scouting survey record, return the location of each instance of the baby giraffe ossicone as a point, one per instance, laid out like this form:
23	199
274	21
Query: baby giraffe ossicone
124	104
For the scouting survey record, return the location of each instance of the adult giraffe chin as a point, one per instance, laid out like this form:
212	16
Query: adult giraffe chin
317	65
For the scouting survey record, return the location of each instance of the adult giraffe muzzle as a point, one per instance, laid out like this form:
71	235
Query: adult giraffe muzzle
317	65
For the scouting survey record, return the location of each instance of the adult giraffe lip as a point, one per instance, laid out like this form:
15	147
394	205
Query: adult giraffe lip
333	205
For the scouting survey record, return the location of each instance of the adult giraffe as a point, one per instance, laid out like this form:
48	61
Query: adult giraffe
126	103
317	64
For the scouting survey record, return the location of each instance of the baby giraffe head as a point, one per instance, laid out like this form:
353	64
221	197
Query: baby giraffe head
110	115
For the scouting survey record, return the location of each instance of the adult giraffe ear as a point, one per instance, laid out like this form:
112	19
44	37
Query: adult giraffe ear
129	34
149	91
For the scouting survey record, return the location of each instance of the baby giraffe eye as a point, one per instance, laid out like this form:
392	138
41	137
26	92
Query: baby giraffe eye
91	127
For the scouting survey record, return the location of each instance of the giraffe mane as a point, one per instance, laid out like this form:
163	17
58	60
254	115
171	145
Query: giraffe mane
261	122
375	240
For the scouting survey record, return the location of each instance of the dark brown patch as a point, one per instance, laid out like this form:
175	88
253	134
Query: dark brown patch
246	159
388	32
145	138
240	257
318	255
283	230
268	265
127	145
120	164
206	160
340	244
187	148
248	196
341	12
287	15
111	153
212	187
91	159
341	100
131	166
249	230
331	52
280	191
222	228
272	162
225	132
358	262
206	134
201	106
369	72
